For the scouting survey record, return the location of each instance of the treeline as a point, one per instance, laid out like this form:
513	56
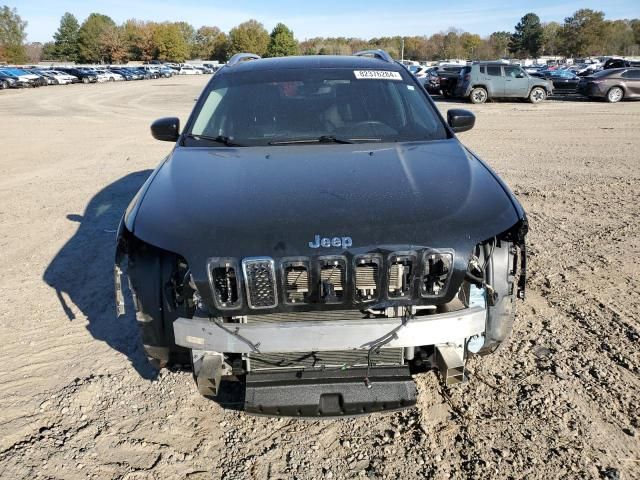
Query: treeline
98	39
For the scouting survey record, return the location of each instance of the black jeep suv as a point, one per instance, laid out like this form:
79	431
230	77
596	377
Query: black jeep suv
319	232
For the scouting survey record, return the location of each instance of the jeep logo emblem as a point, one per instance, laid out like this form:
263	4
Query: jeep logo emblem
327	242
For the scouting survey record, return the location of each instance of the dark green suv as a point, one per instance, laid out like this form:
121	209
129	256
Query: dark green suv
484	80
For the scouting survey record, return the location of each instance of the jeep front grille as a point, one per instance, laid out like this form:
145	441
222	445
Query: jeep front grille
400	275
367	277
437	270
223	277
260	281
332	279
334	359
296	278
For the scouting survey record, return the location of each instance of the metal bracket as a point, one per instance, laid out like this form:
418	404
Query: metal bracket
209	368
450	363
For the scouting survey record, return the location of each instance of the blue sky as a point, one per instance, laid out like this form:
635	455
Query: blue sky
307	19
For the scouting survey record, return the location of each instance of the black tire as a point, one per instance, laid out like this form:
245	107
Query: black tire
4	85
478	95
537	95
111	79
614	95
150	270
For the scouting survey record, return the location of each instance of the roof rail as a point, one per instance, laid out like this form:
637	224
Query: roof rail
379	54
242	57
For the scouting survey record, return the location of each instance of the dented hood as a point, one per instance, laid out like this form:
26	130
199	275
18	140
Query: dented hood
273	201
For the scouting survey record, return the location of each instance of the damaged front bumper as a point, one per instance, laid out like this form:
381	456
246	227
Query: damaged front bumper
442	328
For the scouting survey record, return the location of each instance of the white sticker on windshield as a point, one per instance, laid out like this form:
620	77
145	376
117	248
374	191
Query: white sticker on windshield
377	75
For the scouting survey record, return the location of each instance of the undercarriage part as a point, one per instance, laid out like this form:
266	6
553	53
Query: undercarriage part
335	359
329	393
450	363
208	370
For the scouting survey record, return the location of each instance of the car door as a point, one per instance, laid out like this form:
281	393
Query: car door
495	80
516	82
632	82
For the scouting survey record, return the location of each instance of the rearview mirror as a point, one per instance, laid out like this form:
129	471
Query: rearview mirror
460	120
166	129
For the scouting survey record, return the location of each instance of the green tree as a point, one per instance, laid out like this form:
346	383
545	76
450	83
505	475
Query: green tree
470	43
551	38
282	43
49	51
169	43
499	43
12	36
211	44
189	34
249	36
528	36
582	33
89	37
66	38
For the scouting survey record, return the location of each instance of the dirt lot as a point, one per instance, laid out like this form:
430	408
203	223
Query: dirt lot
77	399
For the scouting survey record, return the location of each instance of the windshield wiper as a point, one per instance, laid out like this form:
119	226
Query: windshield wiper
323	139
219	139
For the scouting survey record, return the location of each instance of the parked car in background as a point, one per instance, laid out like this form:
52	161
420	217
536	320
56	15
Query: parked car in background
30	78
484	80
616	63
188	70
85	76
9	81
448	78
109	75
612	84
166	72
125	74
564	81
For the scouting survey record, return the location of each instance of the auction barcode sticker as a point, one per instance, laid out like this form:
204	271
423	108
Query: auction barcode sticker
377	75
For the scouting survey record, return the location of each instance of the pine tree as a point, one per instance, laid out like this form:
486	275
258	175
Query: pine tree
282	43
66	38
528	37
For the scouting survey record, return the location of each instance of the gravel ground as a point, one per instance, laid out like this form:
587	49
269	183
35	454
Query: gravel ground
78	400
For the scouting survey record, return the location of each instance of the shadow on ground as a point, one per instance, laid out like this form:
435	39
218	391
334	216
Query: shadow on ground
82	271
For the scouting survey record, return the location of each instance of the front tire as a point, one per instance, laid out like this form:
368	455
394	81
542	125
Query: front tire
85	80
150	271
537	95
478	95
615	94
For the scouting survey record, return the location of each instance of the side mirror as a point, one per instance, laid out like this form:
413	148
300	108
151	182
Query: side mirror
520	75
460	120
166	129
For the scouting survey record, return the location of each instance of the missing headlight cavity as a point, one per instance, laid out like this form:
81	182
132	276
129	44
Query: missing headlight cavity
436	271
400	274
296	277
224	282
332	280
367	272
